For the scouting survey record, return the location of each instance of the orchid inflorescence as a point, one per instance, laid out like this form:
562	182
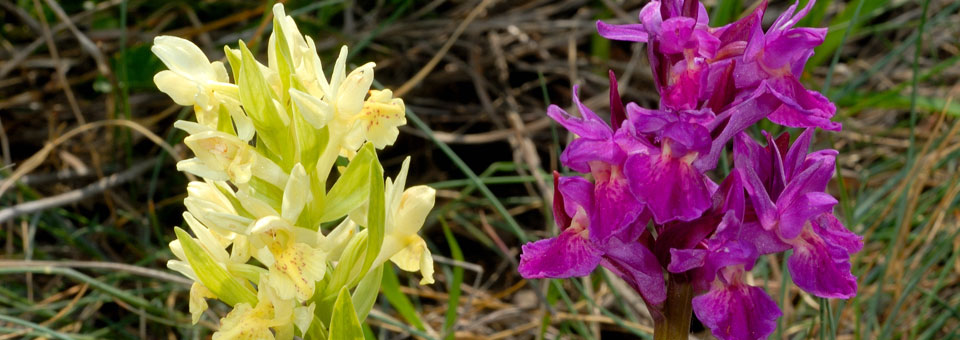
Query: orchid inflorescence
652	210
290	253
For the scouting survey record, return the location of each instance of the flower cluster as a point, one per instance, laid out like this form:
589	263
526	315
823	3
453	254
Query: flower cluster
652	208
270	236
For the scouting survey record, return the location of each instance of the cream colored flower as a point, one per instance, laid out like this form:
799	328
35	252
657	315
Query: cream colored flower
337	239
406	210
296	194
380	117
212	243
247	323
192	79
198	300
221	156
271	312
295	266
295	41
210	205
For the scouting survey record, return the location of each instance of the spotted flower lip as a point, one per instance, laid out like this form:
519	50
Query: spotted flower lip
787	192
736	310
573	252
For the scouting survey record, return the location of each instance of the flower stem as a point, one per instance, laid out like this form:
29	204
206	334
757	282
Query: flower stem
675	323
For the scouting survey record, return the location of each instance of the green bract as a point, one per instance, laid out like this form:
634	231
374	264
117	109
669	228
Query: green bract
267	149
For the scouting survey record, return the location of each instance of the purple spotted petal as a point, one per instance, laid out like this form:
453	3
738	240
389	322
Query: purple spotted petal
567	255
820	266
671	188
737	312
617	208
637	265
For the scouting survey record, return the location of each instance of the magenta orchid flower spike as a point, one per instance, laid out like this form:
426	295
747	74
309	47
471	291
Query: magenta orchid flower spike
653	213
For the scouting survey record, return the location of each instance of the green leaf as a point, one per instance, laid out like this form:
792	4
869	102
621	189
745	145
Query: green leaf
214	277
368	332
353	186
366	293
224	122
344	323
317	331
454	288
399	301
376	213
283	59
269	193
233	59
311	141
228	193
258	98
347	267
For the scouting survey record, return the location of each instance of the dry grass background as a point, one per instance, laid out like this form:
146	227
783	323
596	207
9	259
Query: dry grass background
90	191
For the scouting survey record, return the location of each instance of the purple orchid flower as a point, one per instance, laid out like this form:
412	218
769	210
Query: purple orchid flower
661	166
727	305
730	307
773	62
793	212
734	310
679	49
598	151
652	165
574	253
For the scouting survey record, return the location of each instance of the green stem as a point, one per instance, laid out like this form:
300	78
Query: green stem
675	323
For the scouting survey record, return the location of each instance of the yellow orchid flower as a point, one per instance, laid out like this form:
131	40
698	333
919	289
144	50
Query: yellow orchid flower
406	210
210	205
380	117
271	312
295	265
221	156
198	300
192	79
